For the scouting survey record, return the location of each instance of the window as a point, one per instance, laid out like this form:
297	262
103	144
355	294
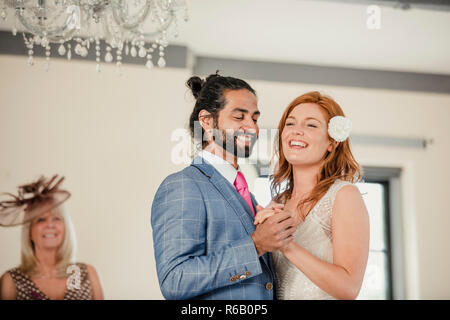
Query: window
377	283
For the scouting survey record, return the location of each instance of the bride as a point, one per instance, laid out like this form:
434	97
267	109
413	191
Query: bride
328	256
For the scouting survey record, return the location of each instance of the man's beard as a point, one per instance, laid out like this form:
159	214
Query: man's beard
227	140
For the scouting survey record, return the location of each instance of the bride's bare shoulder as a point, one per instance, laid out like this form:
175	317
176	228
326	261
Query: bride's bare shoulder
349	200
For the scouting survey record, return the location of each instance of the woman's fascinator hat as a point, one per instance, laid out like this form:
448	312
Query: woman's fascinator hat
33	200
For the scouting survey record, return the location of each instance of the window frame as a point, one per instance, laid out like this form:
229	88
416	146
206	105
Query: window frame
389	177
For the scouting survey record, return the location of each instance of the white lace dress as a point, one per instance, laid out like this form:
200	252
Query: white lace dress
313	234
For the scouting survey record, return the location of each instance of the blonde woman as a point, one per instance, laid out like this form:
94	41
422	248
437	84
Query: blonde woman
328	256
47	270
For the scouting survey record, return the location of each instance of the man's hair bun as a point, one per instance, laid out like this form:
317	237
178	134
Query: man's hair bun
195	84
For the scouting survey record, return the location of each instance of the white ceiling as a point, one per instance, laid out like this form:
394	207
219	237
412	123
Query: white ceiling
317	32
320	33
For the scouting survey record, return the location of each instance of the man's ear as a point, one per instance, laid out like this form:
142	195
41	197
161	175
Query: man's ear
206	120
332	145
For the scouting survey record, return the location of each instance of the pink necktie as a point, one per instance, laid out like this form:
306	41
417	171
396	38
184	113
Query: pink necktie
242	188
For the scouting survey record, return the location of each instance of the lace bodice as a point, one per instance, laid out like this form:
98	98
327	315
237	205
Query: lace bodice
313	234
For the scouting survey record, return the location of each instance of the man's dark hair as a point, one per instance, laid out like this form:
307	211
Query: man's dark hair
209	95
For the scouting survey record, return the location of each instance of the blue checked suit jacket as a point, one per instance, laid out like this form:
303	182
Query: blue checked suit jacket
201	237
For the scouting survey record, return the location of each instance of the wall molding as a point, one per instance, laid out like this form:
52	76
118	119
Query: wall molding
311	74
178	56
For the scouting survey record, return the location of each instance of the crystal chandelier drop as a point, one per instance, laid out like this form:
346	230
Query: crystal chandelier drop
84	23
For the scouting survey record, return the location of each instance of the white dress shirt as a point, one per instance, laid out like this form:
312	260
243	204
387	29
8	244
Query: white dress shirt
221	165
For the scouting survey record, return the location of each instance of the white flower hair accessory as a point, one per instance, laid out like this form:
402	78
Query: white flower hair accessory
339	128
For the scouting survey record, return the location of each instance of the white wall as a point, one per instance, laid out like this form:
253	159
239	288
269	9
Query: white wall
111	137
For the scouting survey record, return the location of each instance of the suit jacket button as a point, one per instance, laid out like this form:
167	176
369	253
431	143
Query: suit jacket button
248	273
242	277
269	286
232	279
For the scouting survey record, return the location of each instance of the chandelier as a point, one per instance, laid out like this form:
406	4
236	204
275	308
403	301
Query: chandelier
84	23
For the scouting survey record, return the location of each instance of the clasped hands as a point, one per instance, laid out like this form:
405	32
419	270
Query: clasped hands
274	228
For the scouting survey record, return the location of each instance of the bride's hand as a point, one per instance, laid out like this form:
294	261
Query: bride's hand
274	205
270	210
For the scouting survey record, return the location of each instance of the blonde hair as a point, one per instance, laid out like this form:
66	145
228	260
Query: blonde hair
65	254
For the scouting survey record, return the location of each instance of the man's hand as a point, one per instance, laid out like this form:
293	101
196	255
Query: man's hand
275	233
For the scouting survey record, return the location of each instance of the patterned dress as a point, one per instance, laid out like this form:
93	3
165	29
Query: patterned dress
27	289
313	234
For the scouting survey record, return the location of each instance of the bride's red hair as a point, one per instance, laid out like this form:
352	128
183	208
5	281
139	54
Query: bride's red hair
338	164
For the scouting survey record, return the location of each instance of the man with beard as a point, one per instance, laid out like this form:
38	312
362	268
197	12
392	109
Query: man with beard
206	244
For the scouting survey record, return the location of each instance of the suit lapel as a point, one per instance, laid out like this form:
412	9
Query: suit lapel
253	202
230	194
234	199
